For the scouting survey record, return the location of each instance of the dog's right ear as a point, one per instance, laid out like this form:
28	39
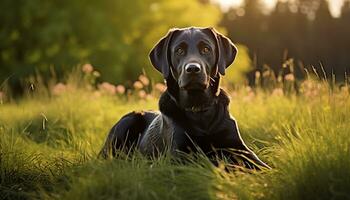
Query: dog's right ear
227	51
159	55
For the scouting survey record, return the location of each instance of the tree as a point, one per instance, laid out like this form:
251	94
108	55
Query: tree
113	35
305	29
324	25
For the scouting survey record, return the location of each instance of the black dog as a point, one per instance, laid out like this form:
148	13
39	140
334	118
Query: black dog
193	110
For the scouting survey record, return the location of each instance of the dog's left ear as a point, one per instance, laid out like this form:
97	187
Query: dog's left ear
226	52
159	55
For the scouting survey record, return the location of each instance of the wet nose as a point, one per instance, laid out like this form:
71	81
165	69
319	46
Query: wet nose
192	68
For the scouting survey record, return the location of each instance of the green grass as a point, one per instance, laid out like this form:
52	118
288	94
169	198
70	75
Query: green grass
49	145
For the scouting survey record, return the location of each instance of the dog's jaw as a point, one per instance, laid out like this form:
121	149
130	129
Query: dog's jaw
196	100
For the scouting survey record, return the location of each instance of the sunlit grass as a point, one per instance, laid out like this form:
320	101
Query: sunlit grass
50	139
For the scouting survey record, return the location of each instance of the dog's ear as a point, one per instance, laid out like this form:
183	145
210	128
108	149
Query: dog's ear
159	55
226	51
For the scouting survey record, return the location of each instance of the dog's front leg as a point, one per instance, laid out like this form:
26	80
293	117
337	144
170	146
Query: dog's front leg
239	148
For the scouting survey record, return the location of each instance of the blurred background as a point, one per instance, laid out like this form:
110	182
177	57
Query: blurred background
115	36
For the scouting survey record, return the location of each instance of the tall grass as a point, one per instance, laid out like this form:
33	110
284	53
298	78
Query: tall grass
49	142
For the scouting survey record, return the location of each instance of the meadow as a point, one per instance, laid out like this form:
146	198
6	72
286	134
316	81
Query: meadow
50	138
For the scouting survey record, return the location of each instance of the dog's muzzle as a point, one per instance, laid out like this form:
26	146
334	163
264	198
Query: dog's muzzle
193	68
193	77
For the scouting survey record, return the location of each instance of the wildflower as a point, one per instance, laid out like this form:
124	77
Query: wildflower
97	94
96	74
59	88
306	85
107	88
144	80
120	89
160	87
142	94
149	97
289	77
277	92
249	97
257	74
138	85
87	68
310	88
248	89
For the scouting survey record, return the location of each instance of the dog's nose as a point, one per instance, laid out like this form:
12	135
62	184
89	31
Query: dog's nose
192	68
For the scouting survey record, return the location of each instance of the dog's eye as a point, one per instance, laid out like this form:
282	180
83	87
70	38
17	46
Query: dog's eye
180	51
205	50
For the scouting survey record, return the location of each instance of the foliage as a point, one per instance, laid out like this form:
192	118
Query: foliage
236	73
115	36
49	142
301	29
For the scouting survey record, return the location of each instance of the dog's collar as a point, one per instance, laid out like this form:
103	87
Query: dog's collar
196	109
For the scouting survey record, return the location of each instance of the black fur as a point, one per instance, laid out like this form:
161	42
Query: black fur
193	110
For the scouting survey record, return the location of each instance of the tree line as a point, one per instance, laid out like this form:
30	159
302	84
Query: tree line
304	30
115	36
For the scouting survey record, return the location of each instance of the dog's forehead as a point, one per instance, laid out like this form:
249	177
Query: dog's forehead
193	35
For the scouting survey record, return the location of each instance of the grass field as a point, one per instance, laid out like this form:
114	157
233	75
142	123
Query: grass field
49	144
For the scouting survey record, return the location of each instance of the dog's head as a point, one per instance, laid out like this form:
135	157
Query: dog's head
193	58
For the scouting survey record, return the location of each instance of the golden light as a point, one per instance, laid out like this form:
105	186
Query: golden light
270	3
334	5
225	4
229	3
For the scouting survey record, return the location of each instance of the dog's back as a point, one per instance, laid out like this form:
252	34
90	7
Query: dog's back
127	132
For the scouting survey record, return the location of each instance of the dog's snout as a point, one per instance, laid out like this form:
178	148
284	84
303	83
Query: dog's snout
193	68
